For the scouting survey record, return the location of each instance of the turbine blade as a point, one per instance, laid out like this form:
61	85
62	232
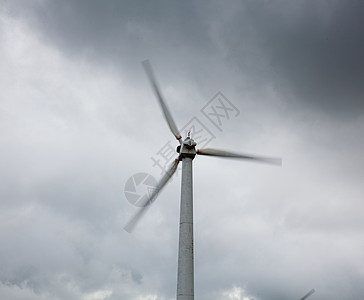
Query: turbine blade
308	294
172	125
227	154
166	177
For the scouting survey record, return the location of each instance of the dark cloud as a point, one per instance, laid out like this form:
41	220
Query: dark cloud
314	51
311	52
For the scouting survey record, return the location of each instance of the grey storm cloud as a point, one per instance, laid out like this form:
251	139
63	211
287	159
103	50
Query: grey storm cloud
311	51
78	118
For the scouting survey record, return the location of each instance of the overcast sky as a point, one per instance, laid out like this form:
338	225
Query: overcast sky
78	118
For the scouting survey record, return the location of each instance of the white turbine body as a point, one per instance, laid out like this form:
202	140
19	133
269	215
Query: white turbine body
186	153
185	274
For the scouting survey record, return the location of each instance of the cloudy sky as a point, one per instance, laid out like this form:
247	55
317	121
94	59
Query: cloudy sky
78	118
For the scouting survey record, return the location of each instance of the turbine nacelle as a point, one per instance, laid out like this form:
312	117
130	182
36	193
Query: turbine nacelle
187	149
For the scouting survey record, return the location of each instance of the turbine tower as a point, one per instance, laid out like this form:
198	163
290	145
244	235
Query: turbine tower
186	153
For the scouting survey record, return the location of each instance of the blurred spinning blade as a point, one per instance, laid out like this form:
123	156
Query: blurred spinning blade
166	177
227	154
308	294
172	125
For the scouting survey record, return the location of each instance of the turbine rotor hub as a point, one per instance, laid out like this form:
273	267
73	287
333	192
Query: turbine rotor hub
187	149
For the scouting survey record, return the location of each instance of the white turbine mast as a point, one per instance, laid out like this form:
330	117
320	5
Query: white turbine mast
186	153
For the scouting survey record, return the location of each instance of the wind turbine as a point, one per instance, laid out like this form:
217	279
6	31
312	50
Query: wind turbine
186	153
